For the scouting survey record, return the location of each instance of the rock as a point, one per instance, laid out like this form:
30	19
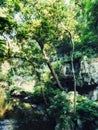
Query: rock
18	94
93	95
86	72
34	106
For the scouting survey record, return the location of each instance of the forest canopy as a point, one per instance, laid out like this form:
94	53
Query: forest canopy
37	38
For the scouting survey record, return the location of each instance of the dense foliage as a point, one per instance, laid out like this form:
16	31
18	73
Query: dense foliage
36	38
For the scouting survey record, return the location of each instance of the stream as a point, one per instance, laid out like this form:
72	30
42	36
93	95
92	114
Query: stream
12	124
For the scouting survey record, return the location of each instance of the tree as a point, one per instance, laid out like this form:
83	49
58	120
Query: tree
44	26
87	19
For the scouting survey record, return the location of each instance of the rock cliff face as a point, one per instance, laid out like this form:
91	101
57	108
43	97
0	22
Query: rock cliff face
86	72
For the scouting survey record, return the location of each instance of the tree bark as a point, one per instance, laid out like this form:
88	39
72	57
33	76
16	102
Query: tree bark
52	70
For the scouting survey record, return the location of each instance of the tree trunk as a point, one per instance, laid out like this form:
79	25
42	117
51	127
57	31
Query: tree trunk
72	63
52	69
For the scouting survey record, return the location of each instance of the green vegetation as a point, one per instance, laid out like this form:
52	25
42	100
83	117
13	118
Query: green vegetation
5	104
36	39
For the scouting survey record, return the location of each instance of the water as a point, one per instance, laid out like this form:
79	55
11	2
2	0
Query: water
11	124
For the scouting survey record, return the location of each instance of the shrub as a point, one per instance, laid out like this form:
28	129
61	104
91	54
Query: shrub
59	109
87	113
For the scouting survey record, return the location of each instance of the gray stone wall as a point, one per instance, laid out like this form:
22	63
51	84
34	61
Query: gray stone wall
86	71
